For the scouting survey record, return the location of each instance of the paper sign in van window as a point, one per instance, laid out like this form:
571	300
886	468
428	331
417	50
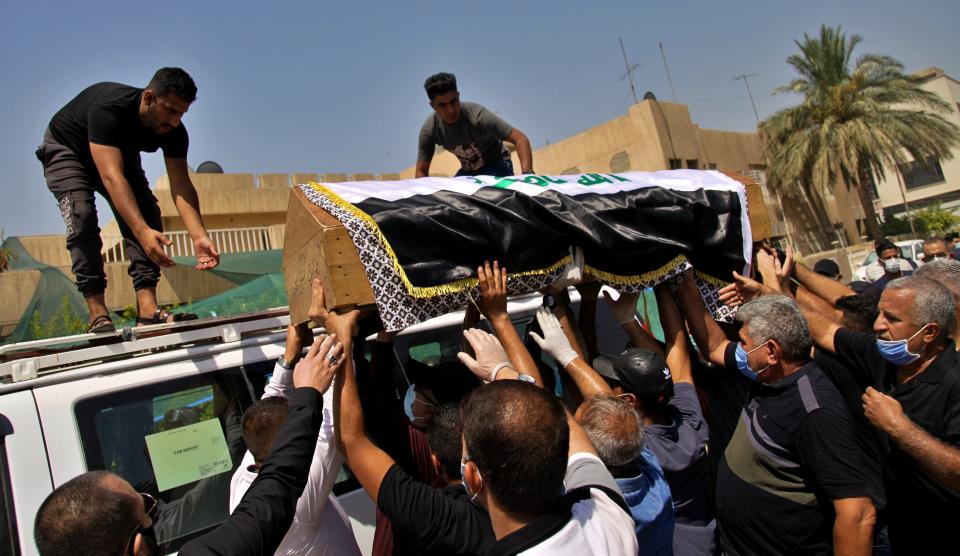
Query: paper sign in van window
186	454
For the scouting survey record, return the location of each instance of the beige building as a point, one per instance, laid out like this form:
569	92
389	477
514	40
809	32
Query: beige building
916	185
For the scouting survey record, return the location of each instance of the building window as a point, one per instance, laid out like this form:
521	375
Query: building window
693	164
918	174
676	164
620	162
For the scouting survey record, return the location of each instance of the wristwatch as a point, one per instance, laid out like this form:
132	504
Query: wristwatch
525	378
549	300
285	364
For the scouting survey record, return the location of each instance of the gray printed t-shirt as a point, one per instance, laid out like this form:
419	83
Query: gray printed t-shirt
681	449
476	139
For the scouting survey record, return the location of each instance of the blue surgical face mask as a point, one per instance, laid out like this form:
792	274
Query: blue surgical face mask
897	351
744	366
409	399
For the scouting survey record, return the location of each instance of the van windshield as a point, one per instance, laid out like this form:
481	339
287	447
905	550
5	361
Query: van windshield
179	441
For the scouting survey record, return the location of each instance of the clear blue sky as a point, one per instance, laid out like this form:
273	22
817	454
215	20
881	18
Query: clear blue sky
305	86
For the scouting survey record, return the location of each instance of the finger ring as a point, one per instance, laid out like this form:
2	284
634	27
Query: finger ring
332	358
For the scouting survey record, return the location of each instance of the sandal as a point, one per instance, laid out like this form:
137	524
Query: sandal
101	325
160	317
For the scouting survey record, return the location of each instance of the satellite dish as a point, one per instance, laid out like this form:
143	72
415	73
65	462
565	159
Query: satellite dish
649	96
209	167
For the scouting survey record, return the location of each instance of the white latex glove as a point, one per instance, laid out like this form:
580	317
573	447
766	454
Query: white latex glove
572	273
624	309
491	357
554	341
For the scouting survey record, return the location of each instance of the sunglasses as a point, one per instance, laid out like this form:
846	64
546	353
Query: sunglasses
152	508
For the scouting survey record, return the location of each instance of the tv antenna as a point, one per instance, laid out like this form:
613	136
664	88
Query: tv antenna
630	69
746	81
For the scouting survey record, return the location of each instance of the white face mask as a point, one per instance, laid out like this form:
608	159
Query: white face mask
892	265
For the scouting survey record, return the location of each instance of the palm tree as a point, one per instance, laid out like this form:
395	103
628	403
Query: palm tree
851	123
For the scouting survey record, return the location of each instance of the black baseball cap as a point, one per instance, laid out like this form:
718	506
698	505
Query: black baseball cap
827	267
641	372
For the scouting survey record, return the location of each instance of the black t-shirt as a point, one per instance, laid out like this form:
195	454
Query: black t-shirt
872	443
724	391
436	521
920	511
108	114
791	455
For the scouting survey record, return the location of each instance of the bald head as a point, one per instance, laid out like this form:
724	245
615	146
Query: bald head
92	514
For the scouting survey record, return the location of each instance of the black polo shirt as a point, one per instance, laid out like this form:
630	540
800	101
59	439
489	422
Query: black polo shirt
920	511
791	455
436	521
872	443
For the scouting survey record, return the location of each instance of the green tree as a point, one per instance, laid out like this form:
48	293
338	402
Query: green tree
936	220
851	123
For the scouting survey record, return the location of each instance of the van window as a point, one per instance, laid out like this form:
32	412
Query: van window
9	541
179	441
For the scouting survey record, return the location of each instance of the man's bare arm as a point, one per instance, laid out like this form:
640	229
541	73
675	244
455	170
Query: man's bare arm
423	169
188	206
109	162
493	304
624	309
524	151
678	354
940	460
853	526
821	286
706	332
368	463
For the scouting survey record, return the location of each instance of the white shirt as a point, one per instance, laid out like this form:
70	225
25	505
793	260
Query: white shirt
598	525
320	526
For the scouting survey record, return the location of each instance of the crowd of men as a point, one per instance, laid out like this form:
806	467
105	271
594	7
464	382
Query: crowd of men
826	419
822	421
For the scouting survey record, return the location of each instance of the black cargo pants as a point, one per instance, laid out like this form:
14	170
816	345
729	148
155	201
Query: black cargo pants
73	186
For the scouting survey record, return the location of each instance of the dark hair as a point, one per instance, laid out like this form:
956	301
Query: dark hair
173	80
440	83
84	516
261	421
449	381
443	434
518	437
859	311
884	245
950	237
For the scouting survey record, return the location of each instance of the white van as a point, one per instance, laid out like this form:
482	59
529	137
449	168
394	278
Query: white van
99	403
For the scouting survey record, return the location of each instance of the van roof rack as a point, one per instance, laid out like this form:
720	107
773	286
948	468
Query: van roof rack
29	360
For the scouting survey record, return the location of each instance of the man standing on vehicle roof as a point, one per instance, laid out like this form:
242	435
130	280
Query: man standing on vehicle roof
93	144
471	132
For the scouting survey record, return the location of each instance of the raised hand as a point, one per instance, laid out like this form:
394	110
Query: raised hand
490	355
553	341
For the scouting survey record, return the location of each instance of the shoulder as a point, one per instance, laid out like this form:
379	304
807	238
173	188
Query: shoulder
473	111
429	124
817	391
